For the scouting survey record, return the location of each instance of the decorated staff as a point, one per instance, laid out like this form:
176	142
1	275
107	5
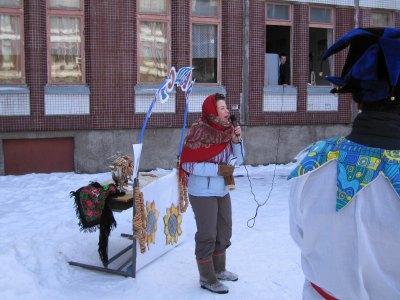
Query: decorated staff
345	195
181	79
211	142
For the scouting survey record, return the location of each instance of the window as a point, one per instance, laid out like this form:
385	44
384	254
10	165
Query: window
320	39
206	41
11	42
278	23
381	19
65	24
153	40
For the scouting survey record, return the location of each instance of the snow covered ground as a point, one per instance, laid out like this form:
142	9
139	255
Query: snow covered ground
39	235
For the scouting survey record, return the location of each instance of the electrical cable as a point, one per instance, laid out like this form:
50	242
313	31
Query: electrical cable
273	177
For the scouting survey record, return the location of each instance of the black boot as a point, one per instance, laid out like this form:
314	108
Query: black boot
207	277
219	260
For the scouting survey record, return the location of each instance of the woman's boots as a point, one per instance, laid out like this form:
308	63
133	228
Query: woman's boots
219	261
207	277
213	269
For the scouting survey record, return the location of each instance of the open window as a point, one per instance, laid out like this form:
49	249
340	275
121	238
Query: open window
206	41
154	30
278	25
320	39
12	66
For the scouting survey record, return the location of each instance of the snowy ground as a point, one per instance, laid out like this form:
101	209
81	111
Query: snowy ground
39	235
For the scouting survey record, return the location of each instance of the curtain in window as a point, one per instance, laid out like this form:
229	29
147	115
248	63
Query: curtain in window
205	8
205	52
380	19
153	51
65	38
153	6
278	12
10	48
9	2
65	3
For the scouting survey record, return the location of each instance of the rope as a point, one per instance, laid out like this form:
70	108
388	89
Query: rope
126	164
139	220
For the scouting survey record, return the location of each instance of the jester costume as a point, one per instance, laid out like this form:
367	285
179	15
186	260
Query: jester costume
345	195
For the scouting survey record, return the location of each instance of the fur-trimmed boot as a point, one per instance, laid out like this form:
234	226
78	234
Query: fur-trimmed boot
219	260
207	277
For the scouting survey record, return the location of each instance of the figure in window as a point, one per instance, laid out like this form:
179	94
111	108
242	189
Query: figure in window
284	74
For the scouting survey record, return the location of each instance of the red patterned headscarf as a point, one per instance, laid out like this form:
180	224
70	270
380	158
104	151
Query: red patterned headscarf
208	137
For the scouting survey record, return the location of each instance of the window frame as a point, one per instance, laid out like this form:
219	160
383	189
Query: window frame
327	26
65	12
210	20
282	23
321	24
279	22
382	11
153	17
17	11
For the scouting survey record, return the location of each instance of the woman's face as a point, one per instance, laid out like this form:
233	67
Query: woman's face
223	112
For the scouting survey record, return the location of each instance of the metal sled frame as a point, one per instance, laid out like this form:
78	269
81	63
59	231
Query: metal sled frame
119	254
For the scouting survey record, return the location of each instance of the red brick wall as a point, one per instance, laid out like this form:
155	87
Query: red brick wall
300	57
364	19
256	61
111	65
232	51
111	62
344	23
180	44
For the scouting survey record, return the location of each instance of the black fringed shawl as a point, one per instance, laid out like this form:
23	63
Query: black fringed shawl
93	211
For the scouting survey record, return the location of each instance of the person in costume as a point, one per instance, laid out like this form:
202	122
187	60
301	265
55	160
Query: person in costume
344	199
211	142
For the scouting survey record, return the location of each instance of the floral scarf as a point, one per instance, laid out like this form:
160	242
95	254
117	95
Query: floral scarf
208	140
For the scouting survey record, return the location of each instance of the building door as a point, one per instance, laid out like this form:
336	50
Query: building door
38	156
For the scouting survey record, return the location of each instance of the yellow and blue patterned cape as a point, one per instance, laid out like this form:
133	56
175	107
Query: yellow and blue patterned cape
357	166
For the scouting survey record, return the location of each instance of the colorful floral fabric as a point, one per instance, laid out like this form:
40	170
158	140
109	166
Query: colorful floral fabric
92	201
94	212
357	166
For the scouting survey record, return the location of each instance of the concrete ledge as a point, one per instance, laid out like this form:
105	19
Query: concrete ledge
67	90
142	90
208	90
319	90
290	90
14	90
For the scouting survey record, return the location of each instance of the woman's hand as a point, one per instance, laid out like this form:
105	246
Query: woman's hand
236	131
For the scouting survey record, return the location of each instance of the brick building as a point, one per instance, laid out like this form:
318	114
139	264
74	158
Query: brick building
78	76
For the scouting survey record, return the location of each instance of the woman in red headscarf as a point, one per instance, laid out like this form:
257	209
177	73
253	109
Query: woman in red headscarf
210	144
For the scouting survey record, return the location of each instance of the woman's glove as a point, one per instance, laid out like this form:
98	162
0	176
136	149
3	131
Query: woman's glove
225	170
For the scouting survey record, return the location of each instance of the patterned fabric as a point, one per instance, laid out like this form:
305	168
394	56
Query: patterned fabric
92	210
91	203
357	166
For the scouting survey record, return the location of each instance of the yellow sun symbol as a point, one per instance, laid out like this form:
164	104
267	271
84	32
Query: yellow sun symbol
151	223
173	221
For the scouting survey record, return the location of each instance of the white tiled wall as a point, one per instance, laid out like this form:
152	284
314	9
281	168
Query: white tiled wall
324	102
143	102
196	102
279	102
66	104
14	105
